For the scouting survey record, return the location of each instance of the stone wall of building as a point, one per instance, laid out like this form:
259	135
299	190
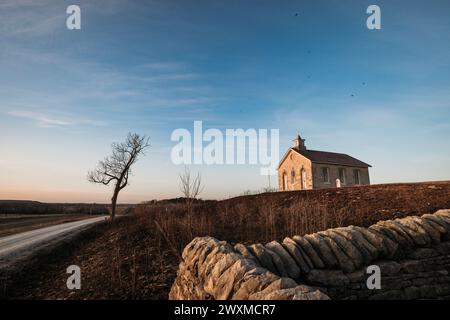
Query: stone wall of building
412	253
333	171
295	162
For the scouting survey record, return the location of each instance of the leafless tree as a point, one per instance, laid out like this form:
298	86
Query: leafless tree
191	188
116	168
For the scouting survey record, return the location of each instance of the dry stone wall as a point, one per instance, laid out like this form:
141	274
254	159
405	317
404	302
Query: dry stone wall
412	253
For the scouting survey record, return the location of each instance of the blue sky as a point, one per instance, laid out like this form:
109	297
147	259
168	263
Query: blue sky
381	96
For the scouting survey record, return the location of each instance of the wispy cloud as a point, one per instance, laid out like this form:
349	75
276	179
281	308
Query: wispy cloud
8	4
31	18
152	86
49	121
164	66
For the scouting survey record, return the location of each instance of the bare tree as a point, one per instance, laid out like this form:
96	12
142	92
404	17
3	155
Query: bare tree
191	188
117	167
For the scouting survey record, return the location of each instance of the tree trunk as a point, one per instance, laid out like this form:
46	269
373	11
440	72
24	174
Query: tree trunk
113	205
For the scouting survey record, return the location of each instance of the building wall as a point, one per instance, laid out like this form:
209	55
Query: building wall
333	170
295	162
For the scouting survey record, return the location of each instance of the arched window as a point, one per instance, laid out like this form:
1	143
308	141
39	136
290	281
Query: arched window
303	178
292	175
285	180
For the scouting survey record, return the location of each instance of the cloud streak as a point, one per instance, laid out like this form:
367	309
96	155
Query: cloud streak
50	121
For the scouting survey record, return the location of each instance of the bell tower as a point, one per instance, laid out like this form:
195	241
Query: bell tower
299	143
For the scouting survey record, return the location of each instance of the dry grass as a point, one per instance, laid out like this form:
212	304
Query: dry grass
269	216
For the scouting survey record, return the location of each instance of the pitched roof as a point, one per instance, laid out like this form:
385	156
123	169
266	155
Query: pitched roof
331	158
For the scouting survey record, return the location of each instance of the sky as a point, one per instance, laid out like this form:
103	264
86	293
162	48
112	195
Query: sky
151	67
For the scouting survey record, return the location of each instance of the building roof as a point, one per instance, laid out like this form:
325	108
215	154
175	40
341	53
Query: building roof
331	158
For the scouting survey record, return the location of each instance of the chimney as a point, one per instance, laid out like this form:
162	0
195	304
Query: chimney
299	143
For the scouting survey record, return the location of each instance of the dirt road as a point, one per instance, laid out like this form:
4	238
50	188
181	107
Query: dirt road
16	247
17	223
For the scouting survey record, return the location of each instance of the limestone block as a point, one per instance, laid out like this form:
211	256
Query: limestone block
225	284
436	222
292	270
433	233
265	259
367	251
400	229
281	283
344	262
389	267
298	255
254	281
323	250
278	263
356	276
444	213
239	247
332	278
411	266
211	278
418	234
312	254
388	247
346	246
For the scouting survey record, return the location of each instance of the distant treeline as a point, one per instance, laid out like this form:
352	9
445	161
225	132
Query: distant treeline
34	207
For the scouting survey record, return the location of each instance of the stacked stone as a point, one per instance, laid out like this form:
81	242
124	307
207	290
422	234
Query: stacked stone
412	232
349	248
211	269
332	259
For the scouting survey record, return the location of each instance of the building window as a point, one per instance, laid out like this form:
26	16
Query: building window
357	175
325	175
342	177
292	176
303	178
